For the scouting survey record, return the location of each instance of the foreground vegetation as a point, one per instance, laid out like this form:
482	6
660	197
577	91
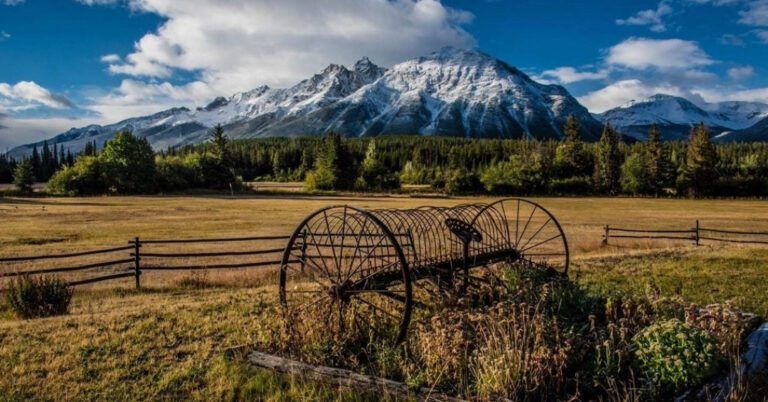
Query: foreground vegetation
168	341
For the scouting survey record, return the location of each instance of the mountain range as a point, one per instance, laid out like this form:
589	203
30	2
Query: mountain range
675	116
450	92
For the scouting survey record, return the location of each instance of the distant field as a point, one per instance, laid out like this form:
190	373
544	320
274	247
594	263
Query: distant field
166	341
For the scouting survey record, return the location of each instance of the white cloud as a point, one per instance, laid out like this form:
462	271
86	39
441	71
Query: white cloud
236	45
666	54
110	58
756	13
568	75
728	94
732	40
716	3
621	92
741	73
12	2
4	36
97	2
762	35
651	17
30	92
15	132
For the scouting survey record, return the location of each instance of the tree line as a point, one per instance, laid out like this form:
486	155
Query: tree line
695	168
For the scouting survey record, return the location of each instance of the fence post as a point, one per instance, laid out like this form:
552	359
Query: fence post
698	236
607	234
137	261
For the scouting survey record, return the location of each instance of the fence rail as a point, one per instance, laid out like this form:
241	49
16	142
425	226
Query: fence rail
696	234
136	258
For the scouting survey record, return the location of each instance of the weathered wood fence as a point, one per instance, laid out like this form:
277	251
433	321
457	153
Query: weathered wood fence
695	234
137	257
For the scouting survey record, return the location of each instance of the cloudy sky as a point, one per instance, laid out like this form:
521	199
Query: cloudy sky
69	63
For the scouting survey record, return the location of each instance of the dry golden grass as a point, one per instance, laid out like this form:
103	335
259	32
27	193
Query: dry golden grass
166	341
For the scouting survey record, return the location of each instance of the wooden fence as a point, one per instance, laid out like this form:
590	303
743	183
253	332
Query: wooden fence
137	257
696	235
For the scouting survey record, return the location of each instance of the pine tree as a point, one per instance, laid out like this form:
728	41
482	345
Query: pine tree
46	166
333	166
608	162
70	158
24	176
657	163
35	162
373	174
571	158
700	171
220	142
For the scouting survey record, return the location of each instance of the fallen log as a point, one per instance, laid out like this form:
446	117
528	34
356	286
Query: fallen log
343	378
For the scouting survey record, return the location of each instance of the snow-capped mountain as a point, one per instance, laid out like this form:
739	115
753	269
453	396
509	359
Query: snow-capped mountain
450	92
675	116
757	132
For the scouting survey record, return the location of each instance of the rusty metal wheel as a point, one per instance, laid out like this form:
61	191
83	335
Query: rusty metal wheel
525	228
344	274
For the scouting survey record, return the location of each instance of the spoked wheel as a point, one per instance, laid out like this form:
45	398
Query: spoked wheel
344	276
530	233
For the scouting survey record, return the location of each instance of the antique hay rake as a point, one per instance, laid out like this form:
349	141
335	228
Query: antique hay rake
350	268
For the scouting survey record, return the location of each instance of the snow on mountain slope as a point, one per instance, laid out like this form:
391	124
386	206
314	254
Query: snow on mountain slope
675	116
757	132
450	92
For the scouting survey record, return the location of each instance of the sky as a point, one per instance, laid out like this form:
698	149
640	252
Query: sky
70	63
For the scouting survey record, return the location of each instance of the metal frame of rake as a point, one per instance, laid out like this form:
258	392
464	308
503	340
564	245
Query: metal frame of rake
346	267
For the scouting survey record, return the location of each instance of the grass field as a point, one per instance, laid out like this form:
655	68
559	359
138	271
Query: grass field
167	340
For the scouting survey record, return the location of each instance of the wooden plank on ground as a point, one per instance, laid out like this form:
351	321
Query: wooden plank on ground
342	378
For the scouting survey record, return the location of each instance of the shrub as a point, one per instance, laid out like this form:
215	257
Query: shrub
39	297
462	181
173	174
85	177
518	175
673	355
577	185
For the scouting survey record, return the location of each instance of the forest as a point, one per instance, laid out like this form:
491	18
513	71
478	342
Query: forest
694	168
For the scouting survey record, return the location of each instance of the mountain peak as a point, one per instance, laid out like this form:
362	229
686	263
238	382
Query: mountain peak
457	92
333	69
675	116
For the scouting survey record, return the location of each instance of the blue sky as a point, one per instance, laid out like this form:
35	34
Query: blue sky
68	63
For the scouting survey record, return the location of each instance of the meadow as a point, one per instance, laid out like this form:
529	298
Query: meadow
168	340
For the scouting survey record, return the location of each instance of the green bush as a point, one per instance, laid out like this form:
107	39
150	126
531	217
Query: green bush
85	177
44	296
577	185
462	181
174	174
518	175
673	355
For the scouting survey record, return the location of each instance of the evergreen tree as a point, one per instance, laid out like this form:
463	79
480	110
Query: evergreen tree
70	158
332	166
47	166
373	174
608	162
633	174
571	159
6	169
35	162
700	172
220	142
24	176
656	162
